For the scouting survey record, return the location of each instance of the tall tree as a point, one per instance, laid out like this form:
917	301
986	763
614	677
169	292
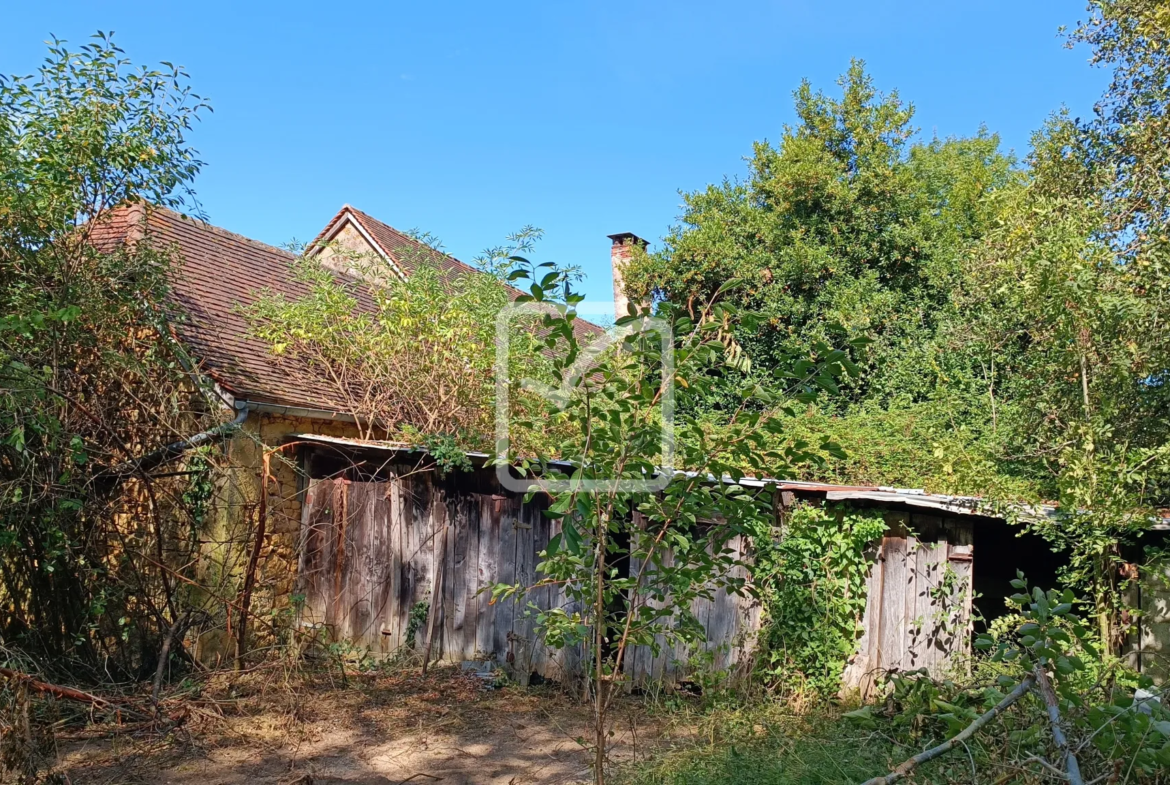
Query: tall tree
1069	295
846	228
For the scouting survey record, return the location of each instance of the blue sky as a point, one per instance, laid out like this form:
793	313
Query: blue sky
470	120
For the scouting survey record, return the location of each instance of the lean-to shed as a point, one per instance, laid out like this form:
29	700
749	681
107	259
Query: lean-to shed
378	536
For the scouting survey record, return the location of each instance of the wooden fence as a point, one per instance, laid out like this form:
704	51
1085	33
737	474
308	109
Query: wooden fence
371	551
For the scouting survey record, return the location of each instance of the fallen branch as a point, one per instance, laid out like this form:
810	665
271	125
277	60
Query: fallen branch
908	766
65	693
1071	766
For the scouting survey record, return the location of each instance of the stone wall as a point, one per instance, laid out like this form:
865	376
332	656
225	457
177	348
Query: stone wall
350	253
237	503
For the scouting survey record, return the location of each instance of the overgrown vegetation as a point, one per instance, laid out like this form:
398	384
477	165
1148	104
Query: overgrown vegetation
90	378
612	484
1003	331
812	581
415	358
1013	313
1112	734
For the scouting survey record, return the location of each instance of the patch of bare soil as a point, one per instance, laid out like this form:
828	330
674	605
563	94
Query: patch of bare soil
379	728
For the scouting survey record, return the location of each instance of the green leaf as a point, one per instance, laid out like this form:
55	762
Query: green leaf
862	718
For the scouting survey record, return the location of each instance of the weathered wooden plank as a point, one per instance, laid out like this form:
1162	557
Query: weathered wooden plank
335	560
487	570
362	577
375	566
660	663
395	615
960	561
463	623
378	565
860	671
737	628
317	539
927	605
893	605
503	526
718	617
543	660
455	583
563	664
522	644
418	546
912	625
643	657
348	554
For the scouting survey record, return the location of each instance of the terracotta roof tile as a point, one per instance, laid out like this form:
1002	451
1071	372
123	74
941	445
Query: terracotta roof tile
219	272
408	253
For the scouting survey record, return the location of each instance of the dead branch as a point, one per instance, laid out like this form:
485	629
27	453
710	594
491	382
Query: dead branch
57	691
164	656
1071	766
903	769
245	600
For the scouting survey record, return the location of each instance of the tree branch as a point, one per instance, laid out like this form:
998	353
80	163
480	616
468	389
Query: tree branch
908	766
1070	760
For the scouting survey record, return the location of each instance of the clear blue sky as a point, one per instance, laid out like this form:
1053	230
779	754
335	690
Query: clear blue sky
470	120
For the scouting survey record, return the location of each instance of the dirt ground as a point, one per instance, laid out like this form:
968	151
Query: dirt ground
379	728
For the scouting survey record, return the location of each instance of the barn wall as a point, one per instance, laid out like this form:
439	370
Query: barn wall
1149	645
237	501
918	614
732	625
372	552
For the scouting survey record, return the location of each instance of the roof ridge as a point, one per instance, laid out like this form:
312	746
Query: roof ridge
469	268
207	225
409	239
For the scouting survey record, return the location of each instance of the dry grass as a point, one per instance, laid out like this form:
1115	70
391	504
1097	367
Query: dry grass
378	727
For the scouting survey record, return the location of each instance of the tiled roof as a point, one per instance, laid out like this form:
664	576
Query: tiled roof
408	253
218	272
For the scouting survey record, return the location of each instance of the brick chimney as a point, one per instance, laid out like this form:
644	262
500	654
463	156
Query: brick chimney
619	256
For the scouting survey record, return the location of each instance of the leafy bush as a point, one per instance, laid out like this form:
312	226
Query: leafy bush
90	376
1065	711
813	581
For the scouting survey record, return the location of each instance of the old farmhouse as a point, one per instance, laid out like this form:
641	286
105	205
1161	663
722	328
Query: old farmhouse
357	538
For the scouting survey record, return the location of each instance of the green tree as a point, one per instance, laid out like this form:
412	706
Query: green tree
1125	140
90	378
846	228
673	536
1068	296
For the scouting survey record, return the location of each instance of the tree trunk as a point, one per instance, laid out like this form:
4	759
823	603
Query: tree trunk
598	652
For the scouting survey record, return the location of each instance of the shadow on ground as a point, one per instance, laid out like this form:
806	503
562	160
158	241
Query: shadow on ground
379	729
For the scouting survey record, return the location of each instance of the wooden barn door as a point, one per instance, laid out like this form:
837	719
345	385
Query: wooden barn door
370	553
918	614
367	557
